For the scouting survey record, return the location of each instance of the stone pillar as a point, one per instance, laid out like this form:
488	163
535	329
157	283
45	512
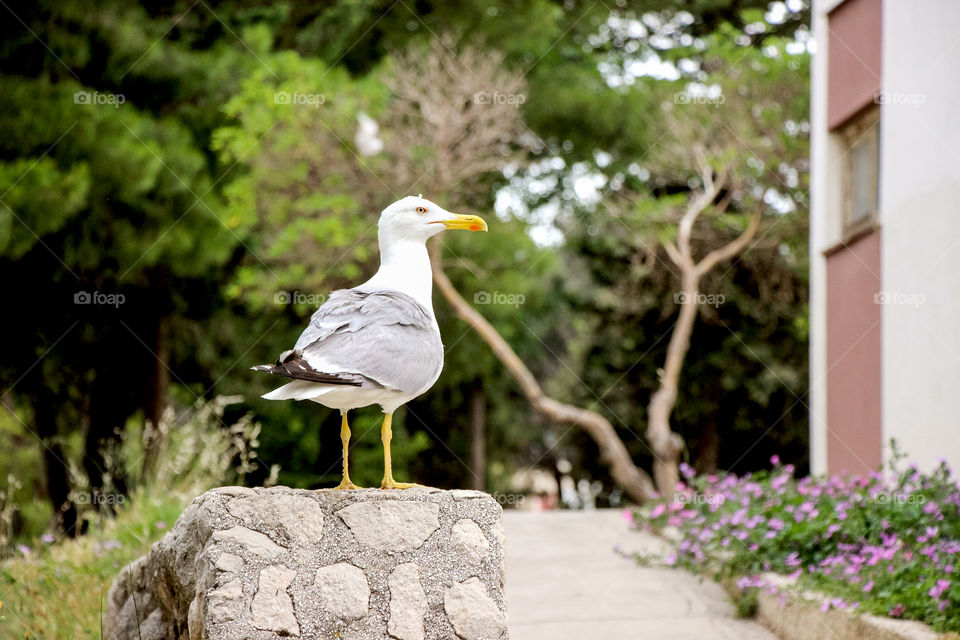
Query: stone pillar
262	564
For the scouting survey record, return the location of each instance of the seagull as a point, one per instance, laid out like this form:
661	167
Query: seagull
377	343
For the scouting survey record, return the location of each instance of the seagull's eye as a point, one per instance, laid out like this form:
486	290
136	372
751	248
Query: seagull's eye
421	210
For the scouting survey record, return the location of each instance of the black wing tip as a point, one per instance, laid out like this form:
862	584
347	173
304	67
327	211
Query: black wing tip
293	367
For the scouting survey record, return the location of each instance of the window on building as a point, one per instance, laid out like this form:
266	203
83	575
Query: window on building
861	172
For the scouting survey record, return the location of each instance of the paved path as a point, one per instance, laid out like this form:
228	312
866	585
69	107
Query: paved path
564	580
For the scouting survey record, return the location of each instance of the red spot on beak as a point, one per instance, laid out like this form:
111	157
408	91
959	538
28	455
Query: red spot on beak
475	227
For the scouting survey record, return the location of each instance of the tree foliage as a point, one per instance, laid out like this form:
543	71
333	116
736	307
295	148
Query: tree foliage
198	162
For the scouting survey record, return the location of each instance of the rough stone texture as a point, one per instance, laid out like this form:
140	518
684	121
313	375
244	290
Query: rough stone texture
258	564
251	540
288	517
408	603
470	541
342	591
474	614
272	608
391	526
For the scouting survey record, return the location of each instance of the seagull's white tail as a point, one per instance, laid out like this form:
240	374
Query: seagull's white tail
296	390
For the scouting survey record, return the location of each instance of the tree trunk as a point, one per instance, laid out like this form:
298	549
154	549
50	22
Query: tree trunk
478	438
58	483
612	451
666	444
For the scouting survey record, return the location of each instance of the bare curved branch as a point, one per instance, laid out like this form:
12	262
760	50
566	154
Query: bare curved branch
635	481
732	248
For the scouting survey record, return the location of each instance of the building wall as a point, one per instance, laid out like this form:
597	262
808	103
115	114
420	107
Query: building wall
845	346
920	210
854	369
855	60
918	246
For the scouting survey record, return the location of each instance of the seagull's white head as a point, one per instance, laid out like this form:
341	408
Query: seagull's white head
416	218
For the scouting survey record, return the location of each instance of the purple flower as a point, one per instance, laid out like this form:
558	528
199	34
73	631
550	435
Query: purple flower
774	460
750	581
658	510
897	611
47	538
937	590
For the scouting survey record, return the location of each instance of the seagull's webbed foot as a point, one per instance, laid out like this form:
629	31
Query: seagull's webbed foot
346	484
390	483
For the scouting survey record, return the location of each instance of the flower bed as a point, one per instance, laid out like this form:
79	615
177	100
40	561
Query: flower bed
887	544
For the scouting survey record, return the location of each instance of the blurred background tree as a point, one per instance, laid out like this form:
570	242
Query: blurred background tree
201	160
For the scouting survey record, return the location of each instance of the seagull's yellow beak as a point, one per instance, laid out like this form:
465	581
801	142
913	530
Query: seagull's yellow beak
472	223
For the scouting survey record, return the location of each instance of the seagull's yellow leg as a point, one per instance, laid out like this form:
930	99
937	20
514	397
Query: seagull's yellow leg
386	434
345	441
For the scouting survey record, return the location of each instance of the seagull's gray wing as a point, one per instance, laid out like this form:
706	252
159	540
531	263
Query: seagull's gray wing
384	336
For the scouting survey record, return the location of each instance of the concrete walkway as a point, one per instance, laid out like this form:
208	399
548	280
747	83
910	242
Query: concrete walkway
564	580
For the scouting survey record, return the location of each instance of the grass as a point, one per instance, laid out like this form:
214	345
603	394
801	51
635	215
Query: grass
57	590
